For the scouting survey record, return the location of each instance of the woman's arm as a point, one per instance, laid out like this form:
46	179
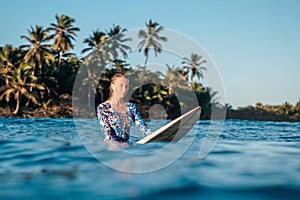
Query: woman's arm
139	121
104	122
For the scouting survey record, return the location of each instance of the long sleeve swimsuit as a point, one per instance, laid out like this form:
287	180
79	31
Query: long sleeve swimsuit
116	126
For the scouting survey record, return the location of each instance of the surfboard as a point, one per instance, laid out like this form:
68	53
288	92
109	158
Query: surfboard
174	130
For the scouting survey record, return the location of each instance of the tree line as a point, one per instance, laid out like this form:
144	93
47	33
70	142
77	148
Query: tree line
33	76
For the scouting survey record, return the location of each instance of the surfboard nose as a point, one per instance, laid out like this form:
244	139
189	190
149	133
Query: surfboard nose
176	129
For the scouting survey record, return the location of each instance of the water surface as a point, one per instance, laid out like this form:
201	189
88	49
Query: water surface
45	158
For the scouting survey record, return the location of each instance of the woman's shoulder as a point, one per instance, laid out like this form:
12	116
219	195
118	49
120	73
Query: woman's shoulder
131	105
103	106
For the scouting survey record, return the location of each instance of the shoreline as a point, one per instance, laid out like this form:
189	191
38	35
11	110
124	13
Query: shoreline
63	109
259	115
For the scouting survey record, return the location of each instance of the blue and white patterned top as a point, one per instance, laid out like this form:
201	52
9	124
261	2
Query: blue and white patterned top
116	126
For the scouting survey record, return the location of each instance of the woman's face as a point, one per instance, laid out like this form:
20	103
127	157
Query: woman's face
120	88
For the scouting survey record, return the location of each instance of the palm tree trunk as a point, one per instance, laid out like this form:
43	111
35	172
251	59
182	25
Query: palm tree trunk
89	97
17	104
146	61
59	61
32	73
145	64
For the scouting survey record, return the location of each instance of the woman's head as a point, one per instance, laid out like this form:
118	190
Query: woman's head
118	86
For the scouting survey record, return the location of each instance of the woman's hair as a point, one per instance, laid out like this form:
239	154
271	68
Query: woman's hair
113	81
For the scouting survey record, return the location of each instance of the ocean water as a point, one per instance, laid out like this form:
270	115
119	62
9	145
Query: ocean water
53	159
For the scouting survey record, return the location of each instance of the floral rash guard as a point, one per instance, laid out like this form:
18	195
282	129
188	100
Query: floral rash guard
116	126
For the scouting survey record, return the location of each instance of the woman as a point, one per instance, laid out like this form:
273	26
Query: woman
116	116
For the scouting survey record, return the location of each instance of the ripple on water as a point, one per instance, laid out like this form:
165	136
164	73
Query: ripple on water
45	158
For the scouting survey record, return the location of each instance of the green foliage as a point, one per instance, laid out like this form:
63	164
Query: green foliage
35	74
64	33
150	39
283	112
21	88
193	66
66	76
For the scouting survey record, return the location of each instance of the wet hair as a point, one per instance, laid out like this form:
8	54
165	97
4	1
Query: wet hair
113	81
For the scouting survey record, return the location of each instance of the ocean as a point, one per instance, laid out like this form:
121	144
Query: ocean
58	159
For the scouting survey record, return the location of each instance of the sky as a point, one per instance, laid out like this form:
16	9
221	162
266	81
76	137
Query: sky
255	44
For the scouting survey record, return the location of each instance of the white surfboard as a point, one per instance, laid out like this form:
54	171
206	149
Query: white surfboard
176	129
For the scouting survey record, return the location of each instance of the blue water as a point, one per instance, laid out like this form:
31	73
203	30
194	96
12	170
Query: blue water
46	159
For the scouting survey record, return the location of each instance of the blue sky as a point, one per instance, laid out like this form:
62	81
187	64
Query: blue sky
255	44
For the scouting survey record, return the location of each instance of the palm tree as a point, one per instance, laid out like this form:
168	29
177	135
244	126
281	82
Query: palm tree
116	41
119	66
97	46
10	57
285	108
194	66
151	38
89	73
18	86
228	107
184	73
64	33
94	41
37	50
173	78
198	87
298	106
213	96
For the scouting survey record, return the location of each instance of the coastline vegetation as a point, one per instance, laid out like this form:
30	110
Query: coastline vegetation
37	78
284	112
